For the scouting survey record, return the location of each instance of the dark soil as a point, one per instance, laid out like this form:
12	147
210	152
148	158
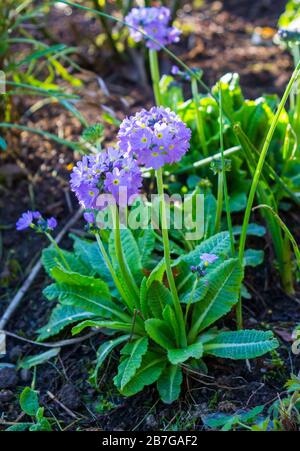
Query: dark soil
35	175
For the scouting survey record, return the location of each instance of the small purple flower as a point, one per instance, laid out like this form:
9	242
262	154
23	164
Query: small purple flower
154	21
51	223
175	70
89	217
26	220
154	137
34	219
208	259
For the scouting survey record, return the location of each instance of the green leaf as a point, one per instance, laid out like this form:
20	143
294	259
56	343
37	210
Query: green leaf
61	317
102	353
130	364
146	244
169	384
218	244
150	370
88	251
84	292
19	427
160	332
144	299
252	230
51	258
223	292
158	297
131	253
39	359
114	325
170	318
253	257
244	344
177	356
29	401
157	273
238	202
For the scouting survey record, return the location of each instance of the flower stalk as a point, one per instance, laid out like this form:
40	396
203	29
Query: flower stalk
166	244
155	76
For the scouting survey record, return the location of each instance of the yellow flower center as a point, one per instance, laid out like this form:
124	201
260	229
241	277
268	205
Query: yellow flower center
159	135
116	182
144	139
155	154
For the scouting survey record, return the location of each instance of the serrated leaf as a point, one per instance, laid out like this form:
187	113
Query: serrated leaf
29	401
146	244
158	297
170	318
34	360
51	258
180	355
88	251
223	292
103	352
150	370
169	384
61	317
218	244
144	299
160	332
129	365
244	344
157	273
131	253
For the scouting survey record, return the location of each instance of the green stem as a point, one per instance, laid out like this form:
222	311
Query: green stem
58	250
166	243
256	178
219	202
112	272
199	118
226	196
129	280
154	69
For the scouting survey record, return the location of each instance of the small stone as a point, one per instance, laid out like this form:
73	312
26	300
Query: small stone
6	395
70	396
25	375
151	421
8	377
15	353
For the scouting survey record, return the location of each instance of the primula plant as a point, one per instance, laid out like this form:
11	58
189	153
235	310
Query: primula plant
160	311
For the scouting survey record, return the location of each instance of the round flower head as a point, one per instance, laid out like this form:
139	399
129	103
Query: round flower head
153	21
155	137
106	172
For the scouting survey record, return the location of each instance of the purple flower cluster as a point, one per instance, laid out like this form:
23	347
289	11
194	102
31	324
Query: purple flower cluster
34	220
105	172
154	22
155	137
